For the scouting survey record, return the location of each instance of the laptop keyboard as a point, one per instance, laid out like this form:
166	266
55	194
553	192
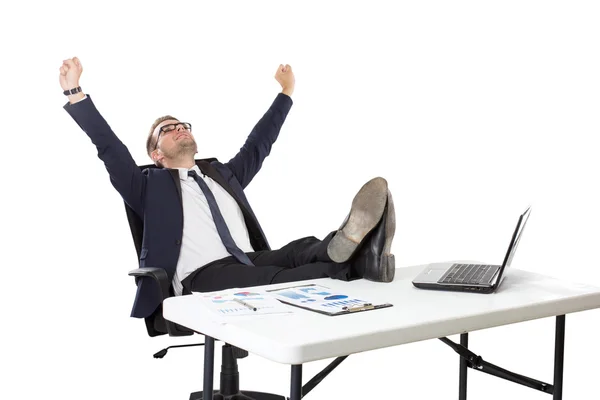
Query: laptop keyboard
468	274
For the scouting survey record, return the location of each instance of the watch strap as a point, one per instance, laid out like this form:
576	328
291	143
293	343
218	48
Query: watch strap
72	91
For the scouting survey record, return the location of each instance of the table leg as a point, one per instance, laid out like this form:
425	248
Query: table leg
559	353
462	371
209	363
296	390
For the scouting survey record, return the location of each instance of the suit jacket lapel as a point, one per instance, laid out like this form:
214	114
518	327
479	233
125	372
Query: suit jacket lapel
209	170
256	237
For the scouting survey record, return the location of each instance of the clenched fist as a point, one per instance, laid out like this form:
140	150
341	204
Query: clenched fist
70	71
285	77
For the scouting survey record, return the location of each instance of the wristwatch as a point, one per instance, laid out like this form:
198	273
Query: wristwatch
72	91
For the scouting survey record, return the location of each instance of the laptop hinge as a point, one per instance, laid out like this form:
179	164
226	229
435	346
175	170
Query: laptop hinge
477	363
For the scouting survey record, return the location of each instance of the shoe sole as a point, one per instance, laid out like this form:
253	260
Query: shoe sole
390	225
367	209
387	261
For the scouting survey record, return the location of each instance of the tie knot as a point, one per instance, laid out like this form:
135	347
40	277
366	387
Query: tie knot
192	173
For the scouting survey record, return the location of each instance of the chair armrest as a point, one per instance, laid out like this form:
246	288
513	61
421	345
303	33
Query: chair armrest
158	274
156	324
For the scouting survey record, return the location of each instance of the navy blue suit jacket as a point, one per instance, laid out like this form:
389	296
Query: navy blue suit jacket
155	193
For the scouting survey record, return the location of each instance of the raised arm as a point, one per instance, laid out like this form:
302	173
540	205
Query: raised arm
248	161
124	173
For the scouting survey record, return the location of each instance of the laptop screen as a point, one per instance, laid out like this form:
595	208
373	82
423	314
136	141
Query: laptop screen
514	243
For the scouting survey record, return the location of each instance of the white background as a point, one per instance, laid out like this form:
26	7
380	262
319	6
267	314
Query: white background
471	110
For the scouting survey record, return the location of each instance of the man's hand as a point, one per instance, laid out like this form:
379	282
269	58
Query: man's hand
70	72
285	77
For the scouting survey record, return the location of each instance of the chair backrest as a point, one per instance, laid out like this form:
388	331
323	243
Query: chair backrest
136	225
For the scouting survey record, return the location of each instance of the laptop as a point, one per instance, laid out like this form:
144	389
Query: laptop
479	278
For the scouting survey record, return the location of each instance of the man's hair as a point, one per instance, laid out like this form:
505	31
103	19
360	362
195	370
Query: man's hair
151	141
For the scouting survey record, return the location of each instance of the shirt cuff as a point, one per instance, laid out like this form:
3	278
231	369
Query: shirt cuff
83	98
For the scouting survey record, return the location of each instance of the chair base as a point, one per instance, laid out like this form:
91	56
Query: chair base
242	395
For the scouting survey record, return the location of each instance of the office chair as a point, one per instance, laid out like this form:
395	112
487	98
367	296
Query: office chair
156	324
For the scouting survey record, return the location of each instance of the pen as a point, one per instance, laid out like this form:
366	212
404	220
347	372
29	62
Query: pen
245	304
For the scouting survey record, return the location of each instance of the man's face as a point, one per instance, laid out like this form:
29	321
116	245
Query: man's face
174	140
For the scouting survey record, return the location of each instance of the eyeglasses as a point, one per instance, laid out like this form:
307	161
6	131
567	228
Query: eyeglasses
171	127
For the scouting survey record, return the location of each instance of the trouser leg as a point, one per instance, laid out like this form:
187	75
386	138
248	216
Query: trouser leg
302	251
229	273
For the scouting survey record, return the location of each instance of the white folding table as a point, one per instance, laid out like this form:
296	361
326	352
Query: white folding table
416	315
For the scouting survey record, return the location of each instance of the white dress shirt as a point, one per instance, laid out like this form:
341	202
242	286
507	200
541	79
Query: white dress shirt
201	242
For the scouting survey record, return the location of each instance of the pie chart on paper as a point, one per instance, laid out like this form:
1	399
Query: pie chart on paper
336	297
245	294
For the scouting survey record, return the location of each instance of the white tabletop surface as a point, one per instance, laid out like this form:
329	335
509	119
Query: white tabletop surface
417	314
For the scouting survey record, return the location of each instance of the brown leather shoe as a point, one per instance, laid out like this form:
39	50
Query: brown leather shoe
366	212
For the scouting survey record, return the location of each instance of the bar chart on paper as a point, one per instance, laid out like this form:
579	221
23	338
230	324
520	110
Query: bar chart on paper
321	299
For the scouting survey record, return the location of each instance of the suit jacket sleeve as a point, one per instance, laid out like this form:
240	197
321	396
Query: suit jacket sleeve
124	173
249	159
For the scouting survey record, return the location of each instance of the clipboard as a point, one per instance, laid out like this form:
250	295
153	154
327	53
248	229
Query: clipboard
350	310
323	300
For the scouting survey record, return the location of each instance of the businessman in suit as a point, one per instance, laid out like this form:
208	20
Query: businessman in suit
198	224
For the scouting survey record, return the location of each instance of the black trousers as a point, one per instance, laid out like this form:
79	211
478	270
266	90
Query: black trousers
299	260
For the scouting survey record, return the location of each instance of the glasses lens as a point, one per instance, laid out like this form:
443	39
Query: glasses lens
187	126
168	128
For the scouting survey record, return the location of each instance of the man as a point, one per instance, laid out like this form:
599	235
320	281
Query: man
198	224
